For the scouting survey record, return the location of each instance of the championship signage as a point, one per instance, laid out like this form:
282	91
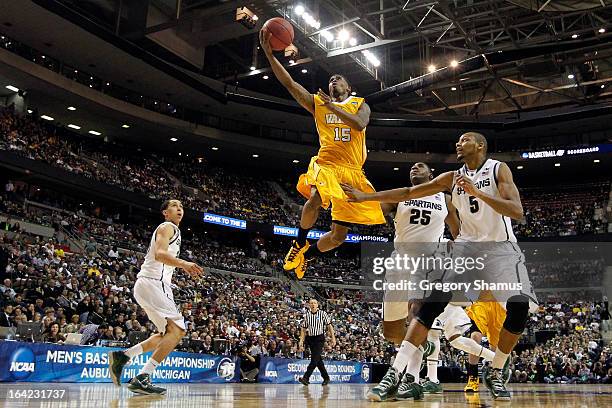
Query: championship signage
287	371
315	234
44	362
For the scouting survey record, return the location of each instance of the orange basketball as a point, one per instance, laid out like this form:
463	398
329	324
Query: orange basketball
282	33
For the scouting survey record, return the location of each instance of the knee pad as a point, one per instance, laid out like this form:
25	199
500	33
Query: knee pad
517	308
433	307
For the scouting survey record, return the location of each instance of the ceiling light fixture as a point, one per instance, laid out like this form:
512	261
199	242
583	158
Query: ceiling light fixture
125	126
71	108
71	126
95	133
173	139
45	117
12	88
327	35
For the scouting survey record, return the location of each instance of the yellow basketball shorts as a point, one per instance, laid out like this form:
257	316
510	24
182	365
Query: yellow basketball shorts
327	178
489	316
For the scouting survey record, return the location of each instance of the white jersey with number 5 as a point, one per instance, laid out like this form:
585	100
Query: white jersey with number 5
421	219
478	221
154	269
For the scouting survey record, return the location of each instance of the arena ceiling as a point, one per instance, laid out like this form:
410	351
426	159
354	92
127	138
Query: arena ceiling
513	56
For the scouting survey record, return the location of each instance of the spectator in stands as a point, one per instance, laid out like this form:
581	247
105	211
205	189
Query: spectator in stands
5	316
207	345
259	349
605	314
53	335
74	325
249	365
9	189
133	324
113	253
94	271
6	289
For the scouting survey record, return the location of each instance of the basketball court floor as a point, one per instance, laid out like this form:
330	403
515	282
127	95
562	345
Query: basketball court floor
298	396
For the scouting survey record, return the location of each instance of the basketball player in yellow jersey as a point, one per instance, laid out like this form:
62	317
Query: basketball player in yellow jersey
341	120
489	318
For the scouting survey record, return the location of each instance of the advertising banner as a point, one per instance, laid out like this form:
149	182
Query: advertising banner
224	221
315	234
287	371
44	362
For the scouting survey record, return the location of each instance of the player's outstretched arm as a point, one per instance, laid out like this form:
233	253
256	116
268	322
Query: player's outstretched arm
162	242
441	183
509	201
299	93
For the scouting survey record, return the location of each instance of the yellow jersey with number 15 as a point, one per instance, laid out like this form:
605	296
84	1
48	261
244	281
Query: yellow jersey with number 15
339	143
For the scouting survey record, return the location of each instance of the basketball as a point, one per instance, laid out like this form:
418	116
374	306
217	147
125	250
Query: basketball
282	33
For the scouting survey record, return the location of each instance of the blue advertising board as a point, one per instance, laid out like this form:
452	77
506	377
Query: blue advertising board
224	221
315	234
287	371
45	362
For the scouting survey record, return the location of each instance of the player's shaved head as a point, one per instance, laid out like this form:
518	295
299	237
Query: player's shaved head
420	173
339	76
339	87
480	139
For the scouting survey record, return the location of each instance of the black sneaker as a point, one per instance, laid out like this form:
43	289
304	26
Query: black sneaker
325	382
304	381
409	389
494	380
116	361
387	388
141	384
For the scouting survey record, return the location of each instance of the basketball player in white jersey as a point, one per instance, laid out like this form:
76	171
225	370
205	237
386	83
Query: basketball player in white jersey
153	292
419	226
484	193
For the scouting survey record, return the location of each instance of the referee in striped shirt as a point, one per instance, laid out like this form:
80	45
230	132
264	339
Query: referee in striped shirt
313	329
